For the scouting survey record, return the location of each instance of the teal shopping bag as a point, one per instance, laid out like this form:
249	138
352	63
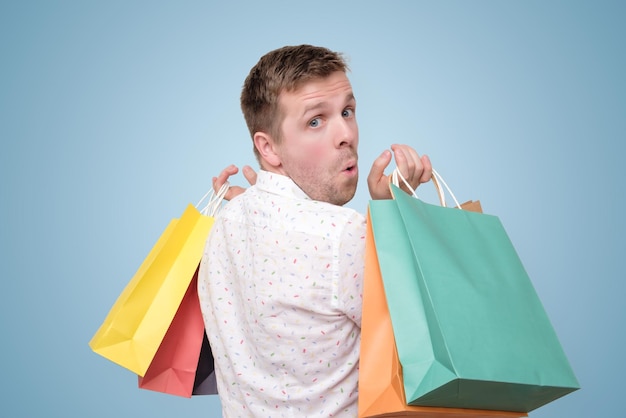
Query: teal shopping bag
470	329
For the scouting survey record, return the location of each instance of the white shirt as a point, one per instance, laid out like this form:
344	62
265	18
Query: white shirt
280	287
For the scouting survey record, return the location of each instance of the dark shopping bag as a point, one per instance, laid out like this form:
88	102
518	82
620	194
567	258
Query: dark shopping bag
205	382
469	327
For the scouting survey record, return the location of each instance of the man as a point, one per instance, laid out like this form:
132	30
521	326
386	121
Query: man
280	281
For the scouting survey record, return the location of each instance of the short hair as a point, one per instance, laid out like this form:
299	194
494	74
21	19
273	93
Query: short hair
283	69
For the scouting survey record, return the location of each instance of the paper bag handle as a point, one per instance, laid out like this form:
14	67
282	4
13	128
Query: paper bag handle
396	176
215	200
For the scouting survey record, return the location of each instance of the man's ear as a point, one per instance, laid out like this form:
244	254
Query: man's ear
266	146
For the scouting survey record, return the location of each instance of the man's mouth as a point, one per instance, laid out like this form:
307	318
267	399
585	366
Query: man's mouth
350	167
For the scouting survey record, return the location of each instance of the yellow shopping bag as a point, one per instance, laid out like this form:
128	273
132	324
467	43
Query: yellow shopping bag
136	324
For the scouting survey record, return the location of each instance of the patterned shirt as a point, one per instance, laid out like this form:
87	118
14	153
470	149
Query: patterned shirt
280	289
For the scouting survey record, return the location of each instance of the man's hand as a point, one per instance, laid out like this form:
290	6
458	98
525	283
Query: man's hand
415	169
231	170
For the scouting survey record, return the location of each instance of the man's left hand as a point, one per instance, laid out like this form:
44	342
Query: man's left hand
415	169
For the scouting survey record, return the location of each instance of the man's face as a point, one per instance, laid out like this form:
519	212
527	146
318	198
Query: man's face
320	136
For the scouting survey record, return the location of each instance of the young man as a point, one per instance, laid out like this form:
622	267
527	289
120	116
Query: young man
280	281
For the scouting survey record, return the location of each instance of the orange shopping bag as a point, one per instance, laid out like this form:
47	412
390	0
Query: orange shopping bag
381	390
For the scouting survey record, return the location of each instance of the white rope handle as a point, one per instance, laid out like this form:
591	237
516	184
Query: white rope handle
215	200
442	197
396	176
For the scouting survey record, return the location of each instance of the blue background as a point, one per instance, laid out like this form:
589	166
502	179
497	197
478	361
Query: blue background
114	116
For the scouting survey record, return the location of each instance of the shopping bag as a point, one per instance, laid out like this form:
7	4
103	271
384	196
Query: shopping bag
469	327
381	389
205	382
138	321
183	365
174	366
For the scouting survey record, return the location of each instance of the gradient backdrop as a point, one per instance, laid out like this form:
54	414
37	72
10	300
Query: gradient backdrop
114	115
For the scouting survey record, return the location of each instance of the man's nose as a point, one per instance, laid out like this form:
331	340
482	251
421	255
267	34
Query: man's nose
347	132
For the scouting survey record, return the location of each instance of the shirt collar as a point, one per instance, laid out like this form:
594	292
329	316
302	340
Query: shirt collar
279	184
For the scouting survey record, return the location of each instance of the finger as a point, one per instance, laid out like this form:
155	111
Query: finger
377	182
222	178
249	174
420	168
405	161
233	191
377	171
428	169
413	157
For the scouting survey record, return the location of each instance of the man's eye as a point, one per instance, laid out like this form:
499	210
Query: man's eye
315	123
347	113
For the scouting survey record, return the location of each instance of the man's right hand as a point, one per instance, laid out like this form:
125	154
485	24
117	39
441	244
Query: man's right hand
231	170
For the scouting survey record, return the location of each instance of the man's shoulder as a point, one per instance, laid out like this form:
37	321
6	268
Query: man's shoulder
264	208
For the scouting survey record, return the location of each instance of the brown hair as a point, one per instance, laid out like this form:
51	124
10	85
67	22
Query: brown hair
284	69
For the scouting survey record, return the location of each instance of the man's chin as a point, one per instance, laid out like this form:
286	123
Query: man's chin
341	199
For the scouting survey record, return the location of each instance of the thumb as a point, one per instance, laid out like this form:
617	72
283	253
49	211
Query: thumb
249	174
378	169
